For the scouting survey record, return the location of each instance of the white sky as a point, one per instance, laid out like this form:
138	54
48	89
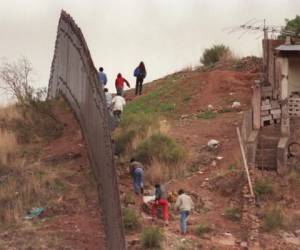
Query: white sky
167	35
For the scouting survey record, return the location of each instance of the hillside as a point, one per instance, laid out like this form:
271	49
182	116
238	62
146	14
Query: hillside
167	129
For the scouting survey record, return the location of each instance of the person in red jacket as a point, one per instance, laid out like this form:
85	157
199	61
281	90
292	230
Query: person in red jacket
120	84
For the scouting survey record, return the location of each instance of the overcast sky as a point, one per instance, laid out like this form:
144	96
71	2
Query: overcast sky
167	35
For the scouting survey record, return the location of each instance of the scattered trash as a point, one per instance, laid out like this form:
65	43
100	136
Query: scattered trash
213	144
210	107
35	212
219	158
244	244
236	105
214	163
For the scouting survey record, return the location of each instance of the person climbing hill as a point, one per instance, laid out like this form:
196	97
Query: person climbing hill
118	103
102	77
160	201
119	83
140	74
137	174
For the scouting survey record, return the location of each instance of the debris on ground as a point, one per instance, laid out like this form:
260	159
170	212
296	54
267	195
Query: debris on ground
34	212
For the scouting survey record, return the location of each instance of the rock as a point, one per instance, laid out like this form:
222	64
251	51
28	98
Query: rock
244	245
184	117
210	107
214	163
236	105
297	232
213	144
290	238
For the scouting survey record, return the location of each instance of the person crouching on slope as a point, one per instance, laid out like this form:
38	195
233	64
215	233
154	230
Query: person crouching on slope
119	83
137	174
118	103
184	204
160	200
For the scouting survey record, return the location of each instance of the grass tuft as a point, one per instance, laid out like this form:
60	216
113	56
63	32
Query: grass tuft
152	237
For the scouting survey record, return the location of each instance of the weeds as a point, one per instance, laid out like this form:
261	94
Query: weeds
273	219
207	115
131	219
263	188
233	214
202	229
152	237
160	147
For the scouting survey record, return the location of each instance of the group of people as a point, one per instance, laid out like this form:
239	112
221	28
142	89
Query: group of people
116	104
184	203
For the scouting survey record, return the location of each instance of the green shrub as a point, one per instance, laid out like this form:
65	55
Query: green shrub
161	147
123	141
263	188
131	219
202	229
152	237
214	54
273	219
233	214
207	115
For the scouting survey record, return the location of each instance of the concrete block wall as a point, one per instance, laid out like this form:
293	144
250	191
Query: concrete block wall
74	76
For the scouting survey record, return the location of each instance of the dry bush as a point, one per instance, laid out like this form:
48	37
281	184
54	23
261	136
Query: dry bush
8	146
160	172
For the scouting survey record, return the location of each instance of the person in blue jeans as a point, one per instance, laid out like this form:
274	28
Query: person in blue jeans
137	174
185	205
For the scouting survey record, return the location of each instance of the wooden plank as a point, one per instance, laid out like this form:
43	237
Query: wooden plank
245	161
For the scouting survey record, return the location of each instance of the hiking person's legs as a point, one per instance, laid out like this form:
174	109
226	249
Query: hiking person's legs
165	209
137	86
154	207
140	85
120	91
183	221
117	115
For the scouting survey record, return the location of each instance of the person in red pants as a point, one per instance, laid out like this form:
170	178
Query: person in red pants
160	201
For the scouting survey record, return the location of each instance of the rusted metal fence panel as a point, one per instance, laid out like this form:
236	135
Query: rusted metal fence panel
74	75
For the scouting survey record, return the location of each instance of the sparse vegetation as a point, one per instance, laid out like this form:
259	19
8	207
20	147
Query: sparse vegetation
233	214
131	219
202	229
273	219
161	147
214	54
152	237
207	115
263	188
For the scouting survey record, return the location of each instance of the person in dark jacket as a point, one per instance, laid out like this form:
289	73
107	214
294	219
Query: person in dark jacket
160	201
140	74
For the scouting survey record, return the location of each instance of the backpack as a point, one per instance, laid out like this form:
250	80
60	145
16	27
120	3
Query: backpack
136	72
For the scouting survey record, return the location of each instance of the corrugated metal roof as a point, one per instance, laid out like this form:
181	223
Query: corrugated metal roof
291	47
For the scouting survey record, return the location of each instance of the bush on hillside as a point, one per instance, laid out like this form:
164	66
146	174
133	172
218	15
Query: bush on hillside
161	147
134	125
152	237
131	219
273	219
202	229
263	188
214	54
233	214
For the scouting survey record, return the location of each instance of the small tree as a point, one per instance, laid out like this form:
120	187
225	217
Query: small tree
15	79
214	54
291	25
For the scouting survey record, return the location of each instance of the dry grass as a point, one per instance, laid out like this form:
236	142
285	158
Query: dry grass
8	146
160	172
9	113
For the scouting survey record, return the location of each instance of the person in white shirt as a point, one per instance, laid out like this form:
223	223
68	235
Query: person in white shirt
108	98
118	103
184	204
